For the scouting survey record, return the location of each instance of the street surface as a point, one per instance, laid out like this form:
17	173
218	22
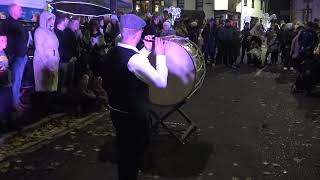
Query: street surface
251	128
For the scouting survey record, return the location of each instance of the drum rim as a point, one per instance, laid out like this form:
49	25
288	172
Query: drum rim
193	91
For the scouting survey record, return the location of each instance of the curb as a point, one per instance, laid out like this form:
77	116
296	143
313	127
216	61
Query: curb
42	140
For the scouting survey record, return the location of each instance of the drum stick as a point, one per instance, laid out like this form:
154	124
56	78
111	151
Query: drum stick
149	40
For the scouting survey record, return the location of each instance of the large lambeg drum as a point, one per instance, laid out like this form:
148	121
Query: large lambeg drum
187	70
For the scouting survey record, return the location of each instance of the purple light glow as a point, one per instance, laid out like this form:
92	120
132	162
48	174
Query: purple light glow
181	77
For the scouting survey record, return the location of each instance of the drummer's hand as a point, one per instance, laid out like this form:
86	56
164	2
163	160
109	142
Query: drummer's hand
148	44
160	46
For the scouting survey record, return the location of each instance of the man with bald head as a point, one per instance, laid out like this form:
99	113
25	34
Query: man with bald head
17	48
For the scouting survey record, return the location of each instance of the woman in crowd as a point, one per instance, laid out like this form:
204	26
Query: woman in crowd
154	28
97	45
114	30
46	59
286	40
167	30
273	44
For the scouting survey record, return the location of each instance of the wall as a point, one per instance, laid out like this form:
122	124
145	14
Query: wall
254	12
249	11
298	6
220	4
189	4
208	8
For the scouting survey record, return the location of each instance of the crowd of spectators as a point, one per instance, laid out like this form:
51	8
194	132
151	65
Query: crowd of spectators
63	74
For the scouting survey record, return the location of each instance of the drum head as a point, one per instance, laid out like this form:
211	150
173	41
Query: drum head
181	77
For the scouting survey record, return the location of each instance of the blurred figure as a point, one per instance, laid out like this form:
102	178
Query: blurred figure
46	57
181	29
286	38
97	47
5	86
209	34
228	37
65	71
154	28
72	47
245	33
17	49
193	31
295	47
3	15
273	44
167	30
114	30
308	40
254	57
46	62
71	36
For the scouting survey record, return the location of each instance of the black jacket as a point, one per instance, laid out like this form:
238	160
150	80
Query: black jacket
71	43
17	37
65	56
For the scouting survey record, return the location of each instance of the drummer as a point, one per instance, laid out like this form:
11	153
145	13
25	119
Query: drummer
127	75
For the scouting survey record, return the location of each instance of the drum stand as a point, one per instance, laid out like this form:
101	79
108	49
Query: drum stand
161	121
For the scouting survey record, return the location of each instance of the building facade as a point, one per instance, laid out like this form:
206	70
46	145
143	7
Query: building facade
281	9
305	10
236	10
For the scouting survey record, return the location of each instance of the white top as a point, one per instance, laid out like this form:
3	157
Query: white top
139	65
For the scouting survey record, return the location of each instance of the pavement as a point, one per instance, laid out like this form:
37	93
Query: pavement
251	128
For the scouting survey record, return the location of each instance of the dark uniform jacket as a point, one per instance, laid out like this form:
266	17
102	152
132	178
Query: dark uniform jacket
126	92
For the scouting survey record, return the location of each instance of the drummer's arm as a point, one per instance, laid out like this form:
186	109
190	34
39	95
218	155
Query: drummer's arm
139	64
144	52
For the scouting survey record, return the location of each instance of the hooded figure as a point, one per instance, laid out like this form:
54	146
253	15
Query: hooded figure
46	56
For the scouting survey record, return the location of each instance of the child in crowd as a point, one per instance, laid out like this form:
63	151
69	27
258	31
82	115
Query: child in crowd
254	54
5	85
100	93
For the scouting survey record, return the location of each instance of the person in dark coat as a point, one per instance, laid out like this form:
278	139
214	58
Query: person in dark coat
5	86
72	47
227	38
154	28
286	38
17	49
245	33
209	34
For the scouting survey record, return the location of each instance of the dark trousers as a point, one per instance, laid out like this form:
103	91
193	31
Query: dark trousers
5	105
219	55
229	55
66	76
244	49
274	58
209	50
132	139
287	60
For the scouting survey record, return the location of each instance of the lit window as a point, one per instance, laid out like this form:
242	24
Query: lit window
156	8
199	4
180	4
137	8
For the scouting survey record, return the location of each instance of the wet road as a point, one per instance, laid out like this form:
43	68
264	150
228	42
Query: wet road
251	127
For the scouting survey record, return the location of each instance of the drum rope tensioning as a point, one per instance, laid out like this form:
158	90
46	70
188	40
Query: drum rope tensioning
187	71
